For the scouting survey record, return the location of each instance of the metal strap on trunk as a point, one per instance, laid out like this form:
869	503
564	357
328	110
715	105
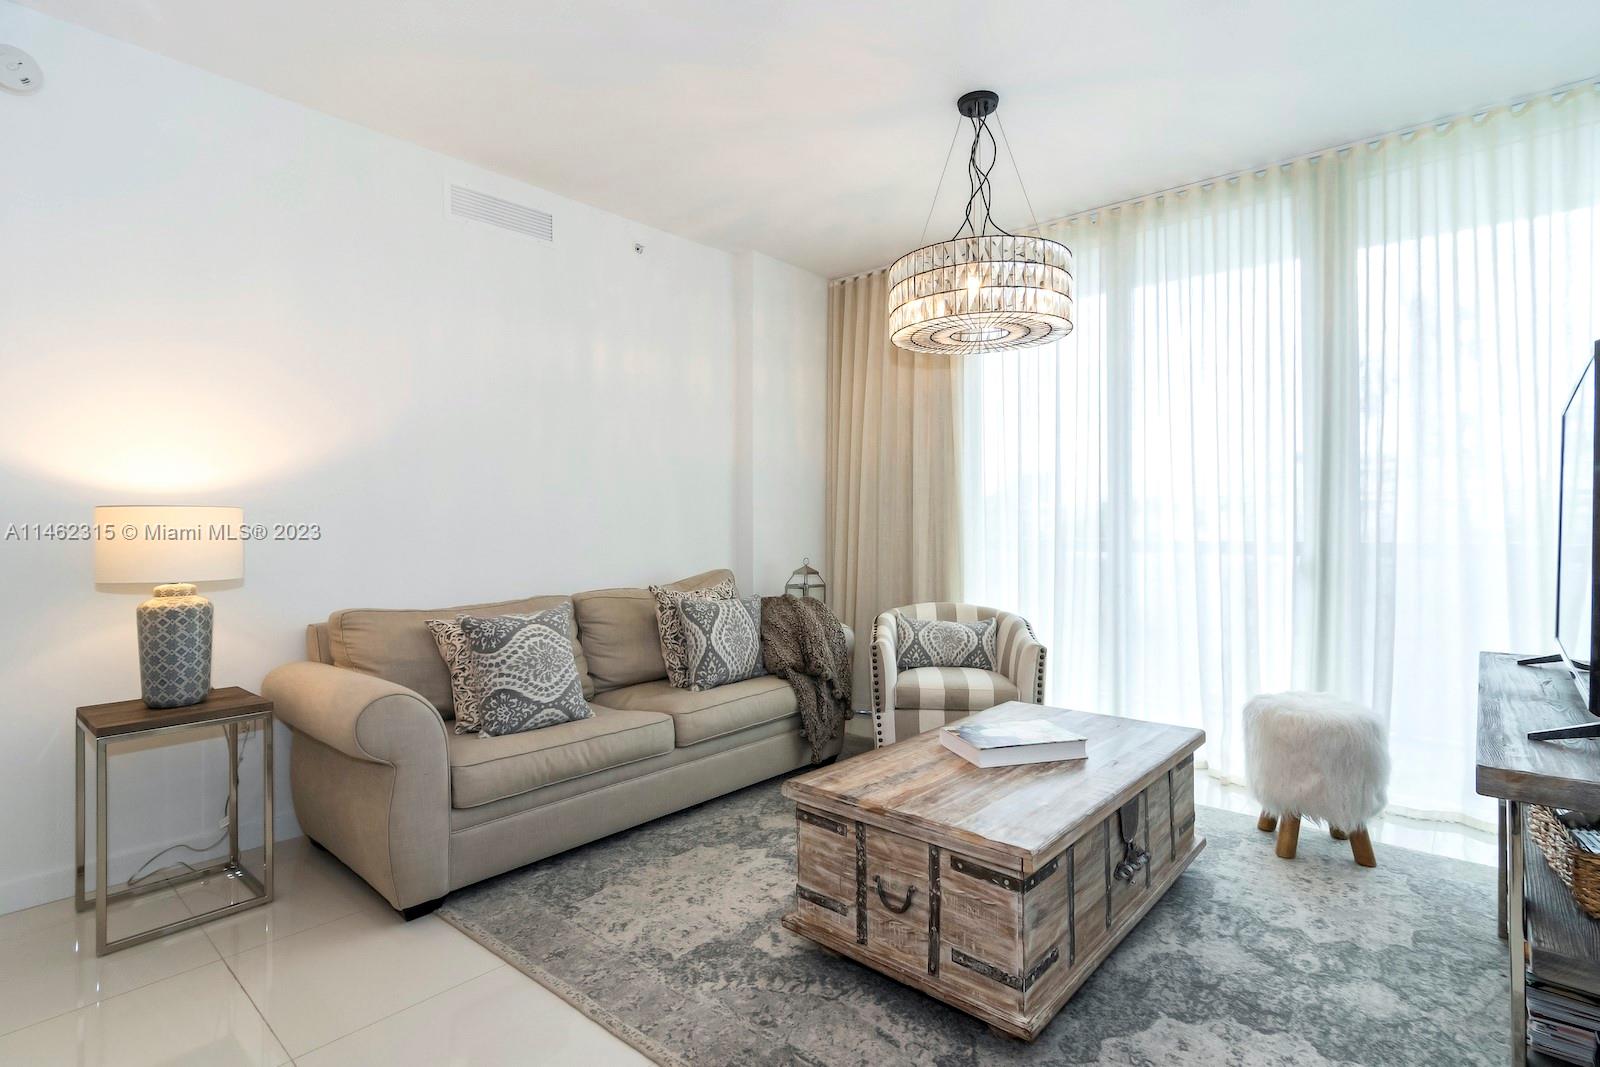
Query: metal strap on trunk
1133	857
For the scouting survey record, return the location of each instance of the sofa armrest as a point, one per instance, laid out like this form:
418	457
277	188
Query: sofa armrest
370	773
1021	657
358	714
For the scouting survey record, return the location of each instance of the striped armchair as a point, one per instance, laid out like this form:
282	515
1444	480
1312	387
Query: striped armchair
905	703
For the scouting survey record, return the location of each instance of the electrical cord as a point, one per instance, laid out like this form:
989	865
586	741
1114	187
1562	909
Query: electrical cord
980	190
141	875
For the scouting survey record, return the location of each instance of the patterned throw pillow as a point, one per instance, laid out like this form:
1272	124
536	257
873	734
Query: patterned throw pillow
523	672
453	650
674	649
722	639
936	643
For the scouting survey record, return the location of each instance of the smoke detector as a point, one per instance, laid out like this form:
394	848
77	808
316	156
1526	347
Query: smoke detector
18	72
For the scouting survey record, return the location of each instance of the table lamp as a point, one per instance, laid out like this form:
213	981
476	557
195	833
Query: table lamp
170	547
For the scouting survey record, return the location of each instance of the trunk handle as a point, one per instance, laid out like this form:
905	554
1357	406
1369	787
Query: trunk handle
883	896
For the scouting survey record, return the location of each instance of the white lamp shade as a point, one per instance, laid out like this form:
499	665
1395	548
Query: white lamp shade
157	544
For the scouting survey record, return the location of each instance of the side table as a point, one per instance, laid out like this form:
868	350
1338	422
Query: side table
127	720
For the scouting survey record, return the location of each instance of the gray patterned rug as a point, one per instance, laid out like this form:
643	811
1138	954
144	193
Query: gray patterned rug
668	936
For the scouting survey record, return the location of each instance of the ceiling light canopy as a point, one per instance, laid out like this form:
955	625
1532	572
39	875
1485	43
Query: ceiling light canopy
985	289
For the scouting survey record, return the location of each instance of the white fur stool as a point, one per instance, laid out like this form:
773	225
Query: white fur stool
1314	756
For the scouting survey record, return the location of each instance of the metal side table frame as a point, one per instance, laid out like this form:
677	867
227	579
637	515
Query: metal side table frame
230	865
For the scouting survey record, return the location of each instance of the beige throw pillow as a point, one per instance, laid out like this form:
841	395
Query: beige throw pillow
674	644
452	644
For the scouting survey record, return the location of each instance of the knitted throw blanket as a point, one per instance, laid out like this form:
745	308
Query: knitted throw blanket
803	643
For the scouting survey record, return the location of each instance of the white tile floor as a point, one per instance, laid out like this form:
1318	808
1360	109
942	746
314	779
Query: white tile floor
326	974
329	974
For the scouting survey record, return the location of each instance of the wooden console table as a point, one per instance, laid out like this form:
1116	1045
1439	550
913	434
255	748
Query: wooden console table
1547	937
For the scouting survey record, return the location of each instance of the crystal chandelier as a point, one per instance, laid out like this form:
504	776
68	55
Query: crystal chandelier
985	289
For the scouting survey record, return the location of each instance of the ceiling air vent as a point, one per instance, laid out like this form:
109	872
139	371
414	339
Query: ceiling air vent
470	204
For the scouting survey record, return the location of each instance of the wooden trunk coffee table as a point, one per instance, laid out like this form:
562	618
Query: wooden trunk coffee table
1000	890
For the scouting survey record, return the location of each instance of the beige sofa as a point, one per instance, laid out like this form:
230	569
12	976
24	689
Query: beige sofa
382	780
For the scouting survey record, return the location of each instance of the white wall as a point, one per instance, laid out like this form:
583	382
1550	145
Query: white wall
783	346
211	295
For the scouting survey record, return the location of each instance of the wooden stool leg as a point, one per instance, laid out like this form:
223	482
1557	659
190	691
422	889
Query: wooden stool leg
1337	834
1288	836
1361	848
1267	823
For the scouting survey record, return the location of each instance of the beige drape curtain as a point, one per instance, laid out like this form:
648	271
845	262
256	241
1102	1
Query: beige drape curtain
893	493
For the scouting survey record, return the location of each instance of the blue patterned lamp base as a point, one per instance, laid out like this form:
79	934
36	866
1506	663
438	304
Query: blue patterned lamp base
175	647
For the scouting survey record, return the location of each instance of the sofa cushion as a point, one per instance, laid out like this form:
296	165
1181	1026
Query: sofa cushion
952	689
670	625
721	640
486	769
521	671
710	713
617	628
395	644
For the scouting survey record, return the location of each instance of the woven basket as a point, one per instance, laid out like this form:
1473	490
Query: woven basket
1579	870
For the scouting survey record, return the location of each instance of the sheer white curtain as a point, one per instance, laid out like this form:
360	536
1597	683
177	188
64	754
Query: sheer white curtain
1304	435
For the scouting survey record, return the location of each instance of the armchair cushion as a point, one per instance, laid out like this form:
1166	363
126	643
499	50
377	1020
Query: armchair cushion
963	689
944	643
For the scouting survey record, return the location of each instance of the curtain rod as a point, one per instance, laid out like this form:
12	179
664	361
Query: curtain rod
1439	125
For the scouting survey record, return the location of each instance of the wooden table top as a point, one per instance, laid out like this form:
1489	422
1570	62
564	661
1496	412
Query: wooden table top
131	716
1019	815
1513	700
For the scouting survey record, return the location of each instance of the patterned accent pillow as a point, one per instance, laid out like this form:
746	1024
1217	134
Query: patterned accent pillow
523	672
453	650
722	639
674	648
937	643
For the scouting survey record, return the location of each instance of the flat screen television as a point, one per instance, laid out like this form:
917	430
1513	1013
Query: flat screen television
1577	627
1578	543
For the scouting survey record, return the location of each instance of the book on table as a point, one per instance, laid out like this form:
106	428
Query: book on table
1036	739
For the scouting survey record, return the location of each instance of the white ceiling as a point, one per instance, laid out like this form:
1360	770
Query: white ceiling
814	131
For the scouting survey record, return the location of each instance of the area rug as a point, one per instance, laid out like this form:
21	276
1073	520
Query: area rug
668	935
